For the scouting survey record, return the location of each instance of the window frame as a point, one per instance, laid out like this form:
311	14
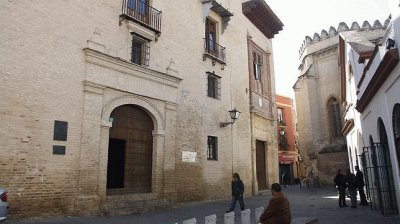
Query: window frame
140	47
211	36
215	90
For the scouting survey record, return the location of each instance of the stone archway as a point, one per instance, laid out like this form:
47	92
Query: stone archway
154	113
129	167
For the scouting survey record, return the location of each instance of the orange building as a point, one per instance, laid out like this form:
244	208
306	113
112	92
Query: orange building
288	155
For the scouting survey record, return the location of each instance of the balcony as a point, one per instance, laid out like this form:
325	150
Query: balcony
214	51
141	12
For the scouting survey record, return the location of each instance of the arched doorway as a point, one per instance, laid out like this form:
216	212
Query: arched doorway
386	181
396	131
130	151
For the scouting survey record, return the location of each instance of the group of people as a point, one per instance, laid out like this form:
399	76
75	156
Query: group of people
278	209
345	180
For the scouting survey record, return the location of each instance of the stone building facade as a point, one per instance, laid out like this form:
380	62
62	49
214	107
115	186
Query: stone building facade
115	107
318	103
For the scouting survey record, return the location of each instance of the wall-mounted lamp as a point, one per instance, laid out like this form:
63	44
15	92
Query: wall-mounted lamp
282	132
111	120
390	43
234	115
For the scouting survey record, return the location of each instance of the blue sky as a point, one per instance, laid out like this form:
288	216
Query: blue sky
304	18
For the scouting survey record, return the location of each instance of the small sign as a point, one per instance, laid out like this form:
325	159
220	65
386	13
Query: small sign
189	156
58	150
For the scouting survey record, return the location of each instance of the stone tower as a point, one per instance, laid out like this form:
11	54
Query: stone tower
318	94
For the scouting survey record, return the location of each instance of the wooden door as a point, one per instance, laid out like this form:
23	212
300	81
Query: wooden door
261	165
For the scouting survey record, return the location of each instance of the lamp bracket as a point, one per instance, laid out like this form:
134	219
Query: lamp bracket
224	124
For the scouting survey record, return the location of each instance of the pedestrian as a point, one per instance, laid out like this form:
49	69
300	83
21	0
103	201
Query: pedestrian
360	186
350	179
310	178
237	192
278	209
284	179
341	186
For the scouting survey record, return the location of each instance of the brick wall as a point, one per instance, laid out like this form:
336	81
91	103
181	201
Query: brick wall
46	76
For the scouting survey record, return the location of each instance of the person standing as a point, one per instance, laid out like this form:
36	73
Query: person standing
350	179
284	179
360	186
237	192
341	186
278	209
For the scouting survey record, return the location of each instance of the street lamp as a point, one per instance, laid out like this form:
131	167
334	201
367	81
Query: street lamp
234	115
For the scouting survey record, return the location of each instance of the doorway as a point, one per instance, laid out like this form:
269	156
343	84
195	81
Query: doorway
261	166
130	152
116	161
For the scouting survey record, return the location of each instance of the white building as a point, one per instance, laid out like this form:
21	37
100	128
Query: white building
370	80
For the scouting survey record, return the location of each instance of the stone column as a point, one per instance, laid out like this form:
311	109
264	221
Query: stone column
87	201
170	150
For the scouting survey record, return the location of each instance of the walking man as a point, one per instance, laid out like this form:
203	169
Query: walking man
237	192
360	186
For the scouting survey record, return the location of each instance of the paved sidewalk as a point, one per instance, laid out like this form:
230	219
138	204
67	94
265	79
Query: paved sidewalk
319	202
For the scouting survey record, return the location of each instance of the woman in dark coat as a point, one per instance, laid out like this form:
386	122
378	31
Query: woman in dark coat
278	209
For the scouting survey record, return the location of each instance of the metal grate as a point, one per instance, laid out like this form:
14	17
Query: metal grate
140	53
379	178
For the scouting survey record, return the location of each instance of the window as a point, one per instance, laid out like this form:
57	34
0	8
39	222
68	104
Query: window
212	148
210	37
138	7
213	86
257	65
334	117
140	50
281	120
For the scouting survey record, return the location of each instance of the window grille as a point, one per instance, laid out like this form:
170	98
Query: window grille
140	53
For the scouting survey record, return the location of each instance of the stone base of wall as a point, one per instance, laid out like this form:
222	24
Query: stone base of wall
328	165
87	205
125	204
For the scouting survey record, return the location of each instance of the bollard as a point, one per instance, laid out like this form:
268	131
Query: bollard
245	216
190	221
211	219
257	212
229	218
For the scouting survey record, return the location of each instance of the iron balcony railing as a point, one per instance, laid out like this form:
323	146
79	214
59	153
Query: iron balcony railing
141	12
215	50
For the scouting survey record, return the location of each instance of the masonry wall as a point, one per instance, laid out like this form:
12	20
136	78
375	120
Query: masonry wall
46	76
313	91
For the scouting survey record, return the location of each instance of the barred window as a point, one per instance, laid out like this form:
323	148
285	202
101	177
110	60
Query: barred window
213	85
212	148
140	53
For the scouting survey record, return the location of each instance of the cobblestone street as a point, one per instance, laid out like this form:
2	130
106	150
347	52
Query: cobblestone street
319	202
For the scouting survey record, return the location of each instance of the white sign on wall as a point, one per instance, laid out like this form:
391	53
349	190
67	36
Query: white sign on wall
189	156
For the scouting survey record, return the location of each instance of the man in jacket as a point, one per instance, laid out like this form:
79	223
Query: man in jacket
278	209
341	186
360	186
237	192
350	179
